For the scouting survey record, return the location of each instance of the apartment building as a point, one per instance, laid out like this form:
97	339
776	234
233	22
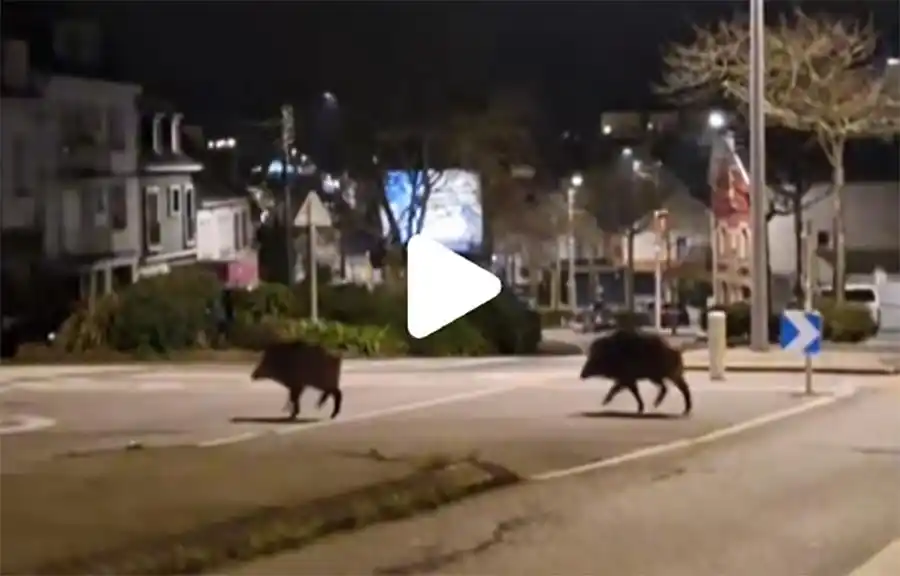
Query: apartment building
69	188
168	197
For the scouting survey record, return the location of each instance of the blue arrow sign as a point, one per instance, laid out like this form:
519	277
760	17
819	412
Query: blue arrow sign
801	331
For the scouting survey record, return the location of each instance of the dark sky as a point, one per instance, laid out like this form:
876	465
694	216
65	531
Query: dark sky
217	59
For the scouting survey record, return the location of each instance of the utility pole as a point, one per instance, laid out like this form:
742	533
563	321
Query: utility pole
287	141
759	298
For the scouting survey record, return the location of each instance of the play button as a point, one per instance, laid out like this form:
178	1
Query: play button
441	286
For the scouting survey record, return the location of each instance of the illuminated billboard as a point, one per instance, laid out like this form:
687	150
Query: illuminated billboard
453	215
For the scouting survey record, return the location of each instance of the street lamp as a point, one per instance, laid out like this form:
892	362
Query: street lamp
575	183
759	297
607	129
716	120
627	152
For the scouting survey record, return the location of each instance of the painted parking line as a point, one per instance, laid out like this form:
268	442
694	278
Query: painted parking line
885	563
714	436
19	423
372	415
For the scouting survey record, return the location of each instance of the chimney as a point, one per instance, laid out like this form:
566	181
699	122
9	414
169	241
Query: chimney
157	133
176	133
15	63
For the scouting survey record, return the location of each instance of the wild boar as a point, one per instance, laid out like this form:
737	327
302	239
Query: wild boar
297	365
628	356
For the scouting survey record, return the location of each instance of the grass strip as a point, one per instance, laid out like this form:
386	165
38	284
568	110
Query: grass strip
280	528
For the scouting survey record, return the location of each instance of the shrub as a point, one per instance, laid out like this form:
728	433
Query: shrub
846	322
267	299
343	338
167	313
460	338
508	324
88	328
356	304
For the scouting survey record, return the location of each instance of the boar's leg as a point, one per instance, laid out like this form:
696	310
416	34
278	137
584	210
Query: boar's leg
661	394
338	401
631	386
294	401
682	386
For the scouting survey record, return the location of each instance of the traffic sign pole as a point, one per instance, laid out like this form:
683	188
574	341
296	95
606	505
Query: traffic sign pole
808	295
313	267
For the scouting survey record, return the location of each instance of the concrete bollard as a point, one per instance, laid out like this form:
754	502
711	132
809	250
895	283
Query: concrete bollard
717	339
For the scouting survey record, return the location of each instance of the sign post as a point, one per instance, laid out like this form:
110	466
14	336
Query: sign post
801	330
660	218
312	215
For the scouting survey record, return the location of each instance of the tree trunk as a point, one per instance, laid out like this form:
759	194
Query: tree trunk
629	271
840	249
798	244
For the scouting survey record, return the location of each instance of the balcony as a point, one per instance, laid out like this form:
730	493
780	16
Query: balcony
85	155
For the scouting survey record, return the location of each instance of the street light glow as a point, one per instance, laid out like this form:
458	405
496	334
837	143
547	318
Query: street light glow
627	152
636	165
716	120
607	129
577	180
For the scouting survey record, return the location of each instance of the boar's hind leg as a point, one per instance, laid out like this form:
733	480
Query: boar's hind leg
685	390
338	401
661	394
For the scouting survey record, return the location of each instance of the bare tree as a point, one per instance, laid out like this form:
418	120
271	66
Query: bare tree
821	79
621	197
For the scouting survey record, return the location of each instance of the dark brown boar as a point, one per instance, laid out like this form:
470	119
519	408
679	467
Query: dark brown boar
629	356
297	365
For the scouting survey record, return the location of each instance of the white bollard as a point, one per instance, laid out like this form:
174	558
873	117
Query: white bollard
717	340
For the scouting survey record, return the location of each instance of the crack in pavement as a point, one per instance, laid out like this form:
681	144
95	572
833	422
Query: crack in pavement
434	561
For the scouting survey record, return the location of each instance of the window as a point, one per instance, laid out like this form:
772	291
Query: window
190	217
101	205
118	206
236	230
115	124
245	229
153	232
19	168
174	200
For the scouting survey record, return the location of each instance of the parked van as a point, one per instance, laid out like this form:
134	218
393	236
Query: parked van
866	294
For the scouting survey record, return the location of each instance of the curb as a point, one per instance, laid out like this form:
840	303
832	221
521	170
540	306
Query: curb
74	374
272	530
837	370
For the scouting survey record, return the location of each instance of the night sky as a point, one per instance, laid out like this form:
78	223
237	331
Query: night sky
220	60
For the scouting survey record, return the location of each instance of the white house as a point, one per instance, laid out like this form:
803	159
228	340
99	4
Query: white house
70	159
872	226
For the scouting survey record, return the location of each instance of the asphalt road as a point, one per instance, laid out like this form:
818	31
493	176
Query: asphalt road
532	415
816	495
811	495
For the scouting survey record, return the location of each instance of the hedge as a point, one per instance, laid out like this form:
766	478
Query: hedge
184	310
846	322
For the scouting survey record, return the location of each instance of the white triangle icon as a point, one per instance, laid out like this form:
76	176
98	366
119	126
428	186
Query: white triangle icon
441	286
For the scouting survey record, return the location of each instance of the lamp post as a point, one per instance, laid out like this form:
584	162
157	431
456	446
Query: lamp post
759	321
575	182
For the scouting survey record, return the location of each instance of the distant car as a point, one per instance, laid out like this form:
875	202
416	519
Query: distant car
865	294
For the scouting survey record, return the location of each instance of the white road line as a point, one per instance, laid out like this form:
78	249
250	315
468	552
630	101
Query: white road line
720	434
399	409
25	423
885	563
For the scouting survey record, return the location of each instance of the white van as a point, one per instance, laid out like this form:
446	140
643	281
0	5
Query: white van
866	294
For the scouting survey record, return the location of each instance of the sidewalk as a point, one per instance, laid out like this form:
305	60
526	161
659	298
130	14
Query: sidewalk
777	360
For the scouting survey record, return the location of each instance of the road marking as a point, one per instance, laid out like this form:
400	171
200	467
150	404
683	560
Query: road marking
884	563
25	423
399	409
720	434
